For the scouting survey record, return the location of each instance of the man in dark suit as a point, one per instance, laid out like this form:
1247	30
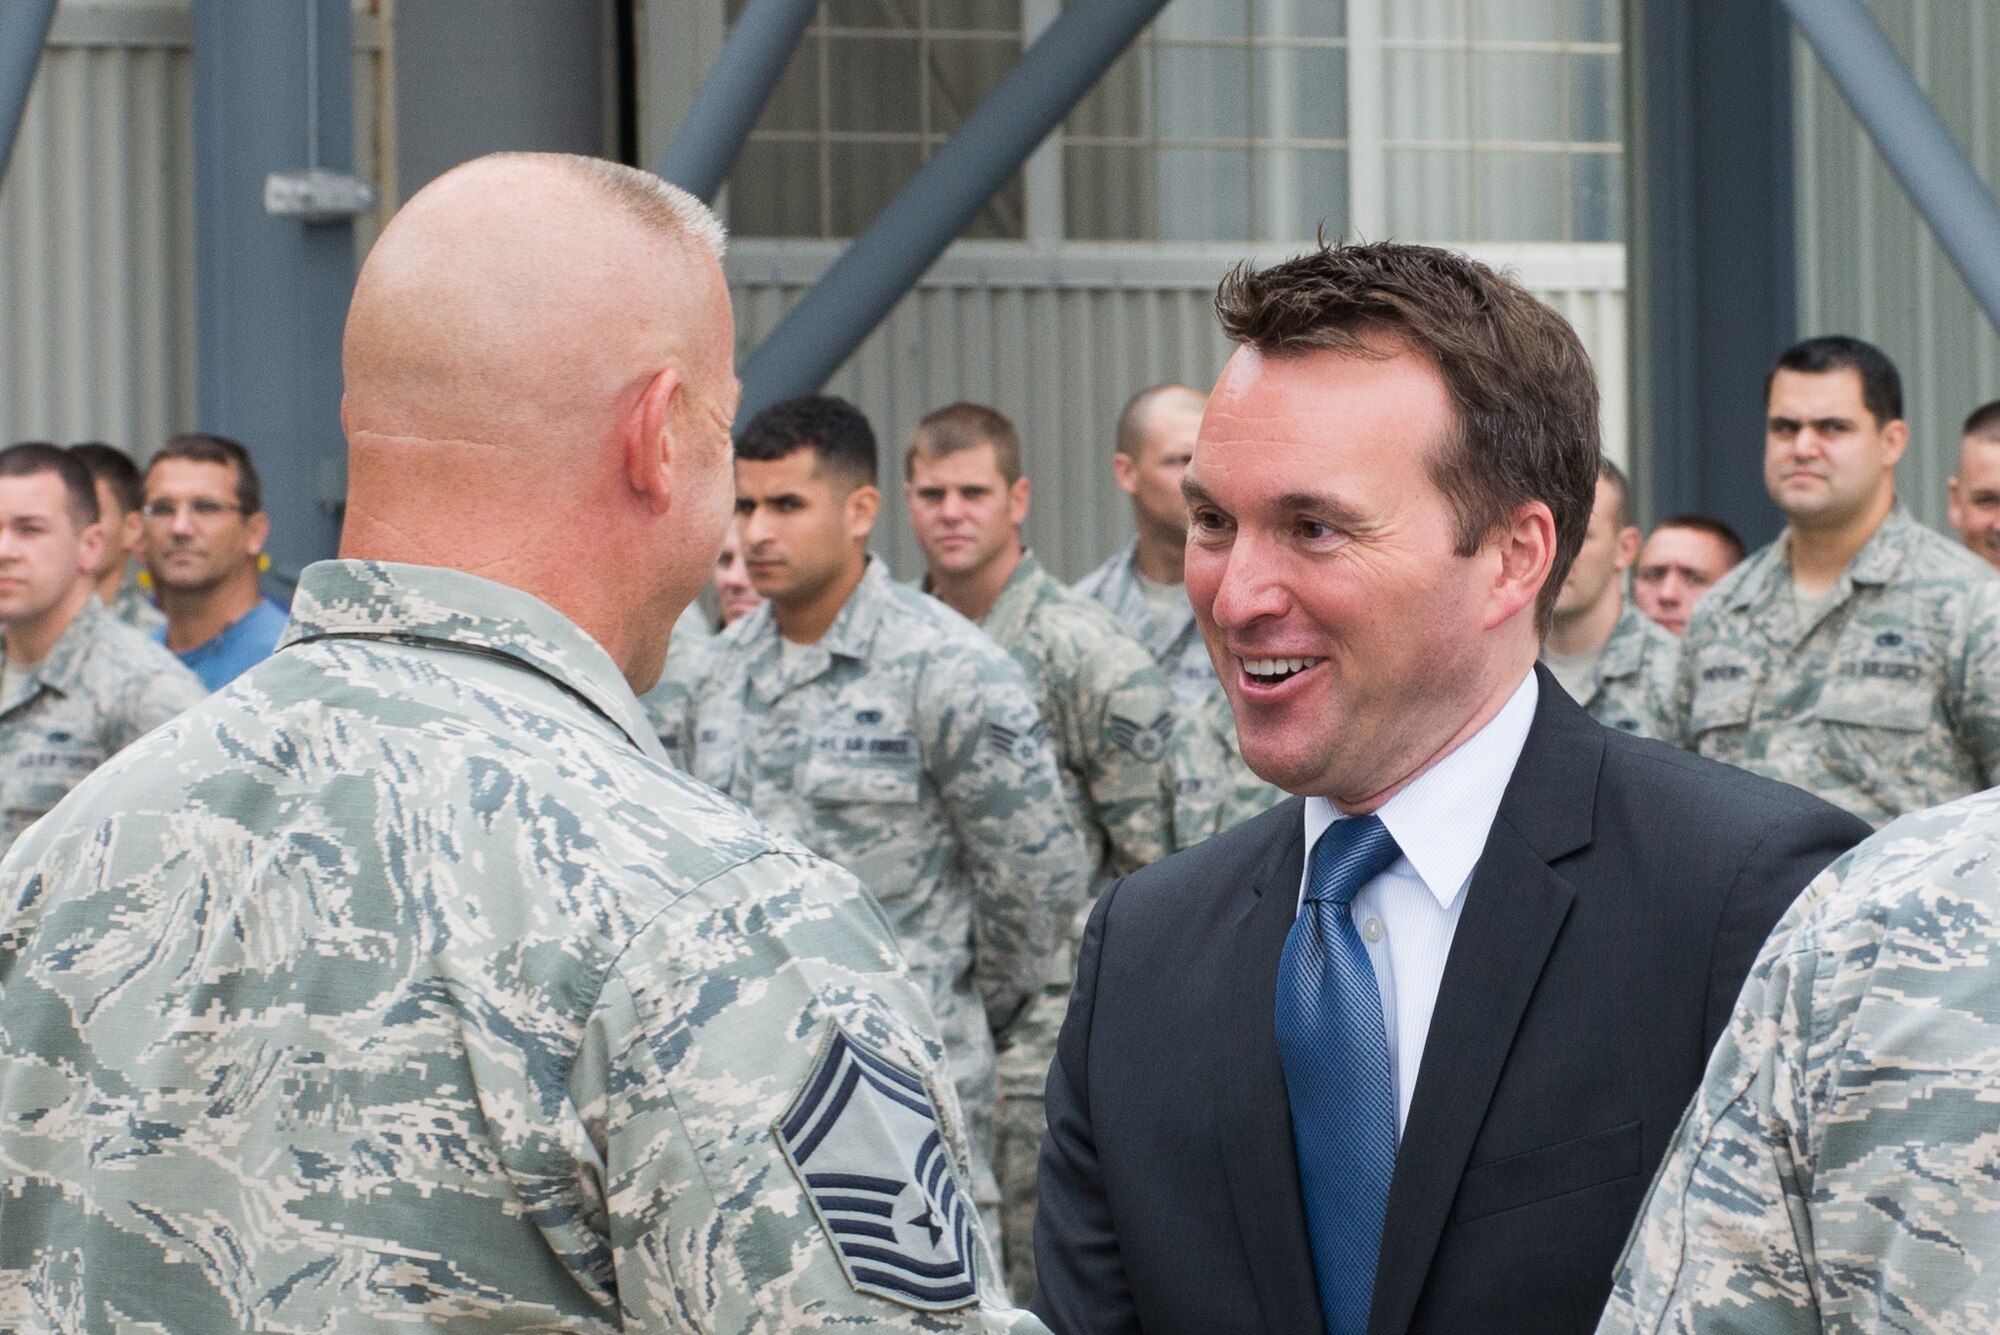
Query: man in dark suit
1402	1053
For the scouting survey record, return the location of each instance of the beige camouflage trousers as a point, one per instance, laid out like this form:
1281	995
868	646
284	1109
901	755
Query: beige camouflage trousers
1018	1130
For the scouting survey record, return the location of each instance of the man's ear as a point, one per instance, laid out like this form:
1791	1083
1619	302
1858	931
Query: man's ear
863	504
1897	437
1629	539
1125	472
259	526
1525	546
90	549
1018	497
646	434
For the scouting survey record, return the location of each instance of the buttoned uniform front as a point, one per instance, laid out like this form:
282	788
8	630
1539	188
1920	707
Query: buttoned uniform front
1885	699
1110	718
1175	643
100	688
1835	1170
402	984
905	746
1632	689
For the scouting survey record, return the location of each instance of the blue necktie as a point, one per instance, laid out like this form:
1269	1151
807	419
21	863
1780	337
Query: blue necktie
1335	1052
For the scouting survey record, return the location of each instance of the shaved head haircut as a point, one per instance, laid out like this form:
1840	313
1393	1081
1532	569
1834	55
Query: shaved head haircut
1136	419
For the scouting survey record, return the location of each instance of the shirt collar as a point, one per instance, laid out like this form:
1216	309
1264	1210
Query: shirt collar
1442	819
60	667
385	600
1018	596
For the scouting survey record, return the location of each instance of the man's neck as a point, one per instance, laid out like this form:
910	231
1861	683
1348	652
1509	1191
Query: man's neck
806	622
1819	555
1587	631
29	640
1161	555
111	582
973	593
1500	681
196	616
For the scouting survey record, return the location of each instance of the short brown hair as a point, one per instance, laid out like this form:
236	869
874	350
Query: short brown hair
965	426
29	457
1983	422
1713	527
1520	382
202	448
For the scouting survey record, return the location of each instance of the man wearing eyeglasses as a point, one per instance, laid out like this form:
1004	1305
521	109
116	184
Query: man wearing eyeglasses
205	535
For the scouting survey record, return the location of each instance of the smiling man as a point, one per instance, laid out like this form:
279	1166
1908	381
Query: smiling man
205	530
76	684
1973	500
1858	656
1415	1080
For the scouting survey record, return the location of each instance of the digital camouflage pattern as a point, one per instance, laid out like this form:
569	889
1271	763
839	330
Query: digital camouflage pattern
102	687
905	746
1885	700
133	603
1835	1171
1176	645
400	985
1217	789
1633	690
1110	716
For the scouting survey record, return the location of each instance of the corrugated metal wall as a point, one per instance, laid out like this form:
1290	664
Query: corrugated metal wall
1869	266
1059	339
97	336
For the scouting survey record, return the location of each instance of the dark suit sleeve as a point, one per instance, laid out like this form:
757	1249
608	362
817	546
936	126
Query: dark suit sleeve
1080	1277
1782	864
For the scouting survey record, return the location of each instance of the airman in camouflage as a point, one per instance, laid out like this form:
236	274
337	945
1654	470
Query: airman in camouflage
1835	1170
899	741
1217	788
1884	699
1109	712
121	496
1610	657
76	685
402	983
1141	585
1858	656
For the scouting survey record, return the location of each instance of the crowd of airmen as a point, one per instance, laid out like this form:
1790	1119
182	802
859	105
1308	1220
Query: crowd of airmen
985	748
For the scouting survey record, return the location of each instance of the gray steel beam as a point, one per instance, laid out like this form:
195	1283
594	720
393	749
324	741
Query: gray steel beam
24	30
1912	138
1713	253
733	95
882	264
271	292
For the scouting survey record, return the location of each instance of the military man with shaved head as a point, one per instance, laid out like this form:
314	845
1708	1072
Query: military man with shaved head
402	983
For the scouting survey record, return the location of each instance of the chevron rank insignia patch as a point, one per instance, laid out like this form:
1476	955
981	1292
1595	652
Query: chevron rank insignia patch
864	1139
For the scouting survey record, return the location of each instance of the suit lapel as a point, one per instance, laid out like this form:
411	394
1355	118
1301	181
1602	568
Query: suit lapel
1514	910
1256	1123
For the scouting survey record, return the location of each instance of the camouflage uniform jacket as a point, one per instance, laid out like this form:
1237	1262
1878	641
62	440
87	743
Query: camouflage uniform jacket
399	984
1835	1170
1216	788
1634	686
1886	702
133	603
905	746
102	686
1176	645
1109	713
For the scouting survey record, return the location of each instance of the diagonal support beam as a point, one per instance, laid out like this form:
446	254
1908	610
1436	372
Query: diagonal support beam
24	30
1911	137
882	264
733	95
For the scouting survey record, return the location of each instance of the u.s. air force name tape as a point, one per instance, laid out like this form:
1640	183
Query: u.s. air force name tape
863	1137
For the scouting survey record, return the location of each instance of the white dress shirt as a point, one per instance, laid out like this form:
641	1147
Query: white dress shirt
1408	915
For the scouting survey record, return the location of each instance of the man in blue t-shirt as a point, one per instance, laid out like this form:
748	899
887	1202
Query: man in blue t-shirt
205	533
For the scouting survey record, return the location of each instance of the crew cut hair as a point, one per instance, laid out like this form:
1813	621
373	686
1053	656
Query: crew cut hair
30	457
835	431
1983	423
1522	389
1713	527
1881	386
114	468
965	426
203	448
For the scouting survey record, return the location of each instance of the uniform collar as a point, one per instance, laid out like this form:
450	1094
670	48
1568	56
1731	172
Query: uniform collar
60	669
1626	648
1018	596
1875	564
850	636
427	604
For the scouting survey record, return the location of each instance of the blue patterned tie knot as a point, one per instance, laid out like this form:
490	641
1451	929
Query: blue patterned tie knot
1335	1051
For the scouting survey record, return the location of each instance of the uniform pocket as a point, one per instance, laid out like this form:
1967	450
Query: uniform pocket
837	778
